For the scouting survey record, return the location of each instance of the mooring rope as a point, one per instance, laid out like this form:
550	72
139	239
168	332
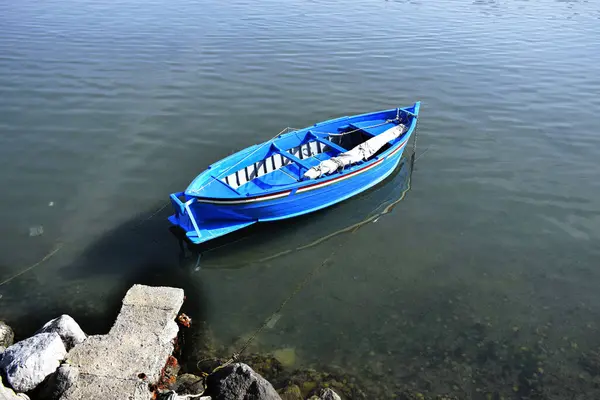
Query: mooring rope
154	213
236	355
46	258
350	228
59	246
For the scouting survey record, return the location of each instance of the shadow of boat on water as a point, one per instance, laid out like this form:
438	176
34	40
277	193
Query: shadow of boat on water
265	241
90	285
144	250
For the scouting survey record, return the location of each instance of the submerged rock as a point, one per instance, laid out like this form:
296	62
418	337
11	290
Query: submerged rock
291	392
36	231
7	335
311	383
59	382
188	384
287	356
590	362
68	330
273	320
268	367
239	381
27	363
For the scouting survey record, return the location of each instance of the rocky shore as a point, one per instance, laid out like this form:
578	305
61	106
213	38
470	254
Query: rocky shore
135	360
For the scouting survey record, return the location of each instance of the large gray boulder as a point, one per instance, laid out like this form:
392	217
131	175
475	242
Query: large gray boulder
6	335
239	382
68	330
59	382
27	363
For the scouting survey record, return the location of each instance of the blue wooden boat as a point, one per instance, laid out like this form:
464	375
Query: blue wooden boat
294	173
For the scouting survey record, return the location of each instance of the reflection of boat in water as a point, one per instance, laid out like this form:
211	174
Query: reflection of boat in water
293	174
264	242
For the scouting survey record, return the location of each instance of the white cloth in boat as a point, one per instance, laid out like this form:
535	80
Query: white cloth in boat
361	152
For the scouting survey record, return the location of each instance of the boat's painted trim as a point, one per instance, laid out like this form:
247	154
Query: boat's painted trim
303	189
338	200
247	200
397	150
339	178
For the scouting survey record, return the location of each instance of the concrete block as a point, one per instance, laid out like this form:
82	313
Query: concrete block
154	296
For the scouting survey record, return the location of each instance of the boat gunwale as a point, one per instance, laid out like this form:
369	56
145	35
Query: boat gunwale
286	190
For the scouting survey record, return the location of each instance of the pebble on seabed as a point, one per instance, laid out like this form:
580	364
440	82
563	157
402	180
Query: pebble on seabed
36	231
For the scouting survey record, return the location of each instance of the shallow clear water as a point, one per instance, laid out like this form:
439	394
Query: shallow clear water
106	108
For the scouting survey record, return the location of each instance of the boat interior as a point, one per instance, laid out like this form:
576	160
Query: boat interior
283	161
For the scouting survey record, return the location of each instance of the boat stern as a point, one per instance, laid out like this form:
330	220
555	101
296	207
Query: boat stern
197	229
182	216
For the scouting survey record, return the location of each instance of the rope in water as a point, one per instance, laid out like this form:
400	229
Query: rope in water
59	246
236	355
351	228
46	258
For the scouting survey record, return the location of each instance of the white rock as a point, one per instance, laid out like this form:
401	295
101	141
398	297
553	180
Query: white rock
27	363
9	394
6	335
328	394
68	330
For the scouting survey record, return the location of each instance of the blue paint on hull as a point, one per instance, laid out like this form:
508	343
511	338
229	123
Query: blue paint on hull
205	216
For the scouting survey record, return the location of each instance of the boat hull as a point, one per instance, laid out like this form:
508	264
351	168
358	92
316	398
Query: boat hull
215	218
276	180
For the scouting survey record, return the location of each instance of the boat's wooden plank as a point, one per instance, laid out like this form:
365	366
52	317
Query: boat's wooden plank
225	184
287	155
329	143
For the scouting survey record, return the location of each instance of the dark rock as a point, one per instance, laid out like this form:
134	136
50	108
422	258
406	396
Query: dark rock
188	384
6	335
68	330
239	382
27	363
59	382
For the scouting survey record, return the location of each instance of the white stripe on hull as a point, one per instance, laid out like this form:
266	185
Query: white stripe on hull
302	189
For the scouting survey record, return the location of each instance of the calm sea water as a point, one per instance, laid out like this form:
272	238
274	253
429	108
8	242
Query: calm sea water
107	107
